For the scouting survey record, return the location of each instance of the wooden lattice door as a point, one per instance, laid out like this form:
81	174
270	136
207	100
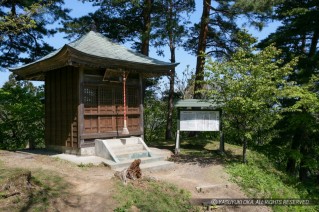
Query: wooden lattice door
103	109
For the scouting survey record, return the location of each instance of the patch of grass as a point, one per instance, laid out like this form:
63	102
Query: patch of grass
152	196
85	165
35	194
259	179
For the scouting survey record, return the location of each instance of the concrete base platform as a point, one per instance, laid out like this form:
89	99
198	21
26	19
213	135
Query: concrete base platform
155	163
149	164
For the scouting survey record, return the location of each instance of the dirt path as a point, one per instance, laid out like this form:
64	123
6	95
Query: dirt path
214	182
90	187
92	190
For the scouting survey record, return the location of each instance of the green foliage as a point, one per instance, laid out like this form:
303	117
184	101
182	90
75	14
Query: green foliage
21	115
251	86
224	34
44	189
120	20
152	196
155	112
23	25
170	23
298	36
260	179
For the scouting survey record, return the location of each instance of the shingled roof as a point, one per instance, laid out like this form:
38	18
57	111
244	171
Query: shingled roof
93	50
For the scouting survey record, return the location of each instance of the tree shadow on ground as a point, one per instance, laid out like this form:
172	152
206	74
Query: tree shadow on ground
194	151
38	151
206	158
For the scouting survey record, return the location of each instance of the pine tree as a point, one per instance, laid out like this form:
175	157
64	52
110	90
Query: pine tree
169	26
23	25
299	36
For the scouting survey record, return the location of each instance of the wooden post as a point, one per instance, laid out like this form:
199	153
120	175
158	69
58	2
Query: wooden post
177	150
177	146
141	105
221	144
80	107
125	130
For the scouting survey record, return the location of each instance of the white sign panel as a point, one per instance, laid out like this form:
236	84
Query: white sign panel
199	121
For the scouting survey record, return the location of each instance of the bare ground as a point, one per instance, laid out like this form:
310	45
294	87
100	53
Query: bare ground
91	188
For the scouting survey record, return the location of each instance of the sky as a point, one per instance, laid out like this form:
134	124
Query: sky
185	59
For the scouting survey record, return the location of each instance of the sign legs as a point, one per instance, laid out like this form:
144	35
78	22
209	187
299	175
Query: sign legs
177	147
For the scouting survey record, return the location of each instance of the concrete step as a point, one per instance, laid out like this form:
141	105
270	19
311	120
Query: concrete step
120	153
131	140
123	141
125	164
126	148
133	154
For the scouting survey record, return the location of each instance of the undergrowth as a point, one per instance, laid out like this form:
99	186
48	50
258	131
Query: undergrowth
22	190
152	196
259	179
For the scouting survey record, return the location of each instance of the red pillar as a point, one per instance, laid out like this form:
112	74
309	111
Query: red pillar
125	130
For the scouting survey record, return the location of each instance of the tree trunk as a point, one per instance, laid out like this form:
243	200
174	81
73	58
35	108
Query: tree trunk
169	120
291	167
304	151
303	171
147	8
314	43
13	9
244	151
170	109
201	48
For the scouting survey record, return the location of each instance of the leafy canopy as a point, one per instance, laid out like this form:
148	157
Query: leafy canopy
251	86
21	115
23	26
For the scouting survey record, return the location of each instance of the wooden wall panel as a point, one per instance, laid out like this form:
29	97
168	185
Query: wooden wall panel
91	124
64	120
106	124
133	123
75	102
61	100
70	117
58	103
68	107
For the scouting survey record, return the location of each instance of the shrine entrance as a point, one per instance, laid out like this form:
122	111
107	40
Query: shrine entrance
103	109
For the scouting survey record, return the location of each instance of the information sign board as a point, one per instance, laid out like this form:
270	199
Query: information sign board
199	121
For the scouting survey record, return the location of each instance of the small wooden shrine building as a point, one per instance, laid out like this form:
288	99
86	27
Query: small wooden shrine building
86	85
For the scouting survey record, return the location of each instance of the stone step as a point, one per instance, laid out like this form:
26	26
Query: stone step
131	140
122	141
120	153
126	148
122	156
125	164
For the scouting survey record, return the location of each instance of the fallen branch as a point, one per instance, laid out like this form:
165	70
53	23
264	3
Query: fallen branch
9	195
